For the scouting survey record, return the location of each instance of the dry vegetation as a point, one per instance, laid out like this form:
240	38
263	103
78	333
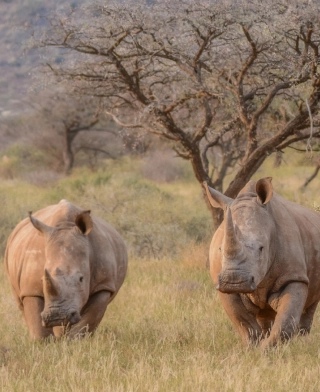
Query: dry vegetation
223	82
166	330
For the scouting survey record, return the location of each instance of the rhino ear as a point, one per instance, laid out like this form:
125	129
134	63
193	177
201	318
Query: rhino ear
84	222
264	190
217	199
40	226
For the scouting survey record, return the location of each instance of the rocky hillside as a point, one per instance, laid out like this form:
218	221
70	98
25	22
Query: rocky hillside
18	17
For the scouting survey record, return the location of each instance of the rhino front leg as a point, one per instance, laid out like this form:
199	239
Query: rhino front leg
289	305
244	321
32	308
91	315
265	325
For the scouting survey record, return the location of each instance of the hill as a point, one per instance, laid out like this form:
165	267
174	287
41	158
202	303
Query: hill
17	20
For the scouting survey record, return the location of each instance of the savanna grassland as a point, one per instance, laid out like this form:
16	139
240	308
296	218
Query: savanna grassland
166	330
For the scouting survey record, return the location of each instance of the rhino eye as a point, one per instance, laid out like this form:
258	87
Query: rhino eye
81	279
261	248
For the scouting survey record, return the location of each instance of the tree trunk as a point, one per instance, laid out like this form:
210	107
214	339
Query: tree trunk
278	159
243	176
217	214
201	175
68	156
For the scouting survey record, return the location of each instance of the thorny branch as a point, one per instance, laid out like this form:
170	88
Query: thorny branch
185	70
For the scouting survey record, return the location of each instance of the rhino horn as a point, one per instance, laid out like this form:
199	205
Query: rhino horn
232	246
50	286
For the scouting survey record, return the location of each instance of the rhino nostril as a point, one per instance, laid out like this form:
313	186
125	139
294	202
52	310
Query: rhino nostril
74	317
252	284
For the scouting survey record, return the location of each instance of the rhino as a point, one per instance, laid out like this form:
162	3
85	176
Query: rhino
64	266
265	263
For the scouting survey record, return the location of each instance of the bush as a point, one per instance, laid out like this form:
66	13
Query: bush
149	219
42	177
154	222
162	166
18	161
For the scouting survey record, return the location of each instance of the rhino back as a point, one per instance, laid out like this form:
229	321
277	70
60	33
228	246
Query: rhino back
108	258
297	242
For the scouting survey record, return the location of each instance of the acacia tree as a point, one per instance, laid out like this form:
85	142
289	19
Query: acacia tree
65	116
226	80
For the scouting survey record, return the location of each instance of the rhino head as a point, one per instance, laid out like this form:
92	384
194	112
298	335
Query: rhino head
243	242
66	277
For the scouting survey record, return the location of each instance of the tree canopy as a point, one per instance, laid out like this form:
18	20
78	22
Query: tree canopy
226	83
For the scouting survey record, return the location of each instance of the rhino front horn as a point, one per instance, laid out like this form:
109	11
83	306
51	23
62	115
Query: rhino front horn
232	246
50	286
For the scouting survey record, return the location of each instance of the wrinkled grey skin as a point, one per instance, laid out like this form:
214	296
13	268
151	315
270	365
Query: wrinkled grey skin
64	267
265	262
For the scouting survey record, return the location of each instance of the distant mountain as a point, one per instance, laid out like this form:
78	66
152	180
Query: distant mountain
17	17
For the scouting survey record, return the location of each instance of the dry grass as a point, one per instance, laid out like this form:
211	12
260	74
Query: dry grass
166	330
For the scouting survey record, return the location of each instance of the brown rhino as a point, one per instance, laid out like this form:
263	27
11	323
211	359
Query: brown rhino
265	262
64	267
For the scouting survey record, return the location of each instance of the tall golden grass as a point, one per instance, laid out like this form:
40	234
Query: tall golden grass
166	329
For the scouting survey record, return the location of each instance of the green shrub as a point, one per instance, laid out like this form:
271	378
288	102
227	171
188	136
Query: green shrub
154	222
18	160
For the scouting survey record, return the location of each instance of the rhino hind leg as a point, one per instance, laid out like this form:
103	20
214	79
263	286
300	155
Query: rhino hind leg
307	319
91	315
32	308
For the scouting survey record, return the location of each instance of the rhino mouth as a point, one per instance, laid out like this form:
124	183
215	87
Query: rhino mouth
51	320
54	323
234	282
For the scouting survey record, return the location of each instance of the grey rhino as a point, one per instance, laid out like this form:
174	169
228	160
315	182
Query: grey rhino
265	262
64	267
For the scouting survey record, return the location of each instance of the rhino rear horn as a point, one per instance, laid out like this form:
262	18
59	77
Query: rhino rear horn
217	199
264	190
84	222
40	226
